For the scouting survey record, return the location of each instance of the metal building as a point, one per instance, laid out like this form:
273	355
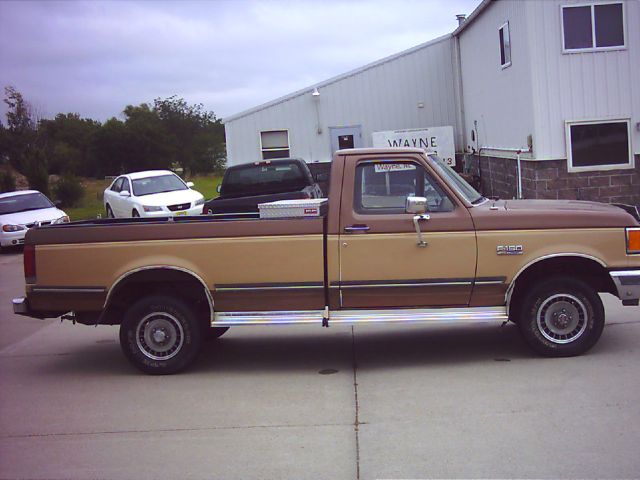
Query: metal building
553	82
411	89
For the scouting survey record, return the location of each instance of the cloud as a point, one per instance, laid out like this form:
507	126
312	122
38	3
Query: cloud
94	58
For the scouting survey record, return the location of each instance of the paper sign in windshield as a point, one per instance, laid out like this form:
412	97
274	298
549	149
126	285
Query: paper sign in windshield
393	167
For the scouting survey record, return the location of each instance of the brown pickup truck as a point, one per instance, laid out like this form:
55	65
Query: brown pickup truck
403	239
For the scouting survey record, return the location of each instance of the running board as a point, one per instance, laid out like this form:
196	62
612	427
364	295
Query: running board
352	317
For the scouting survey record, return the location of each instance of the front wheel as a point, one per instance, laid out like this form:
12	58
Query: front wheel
160	335
135	214
561	317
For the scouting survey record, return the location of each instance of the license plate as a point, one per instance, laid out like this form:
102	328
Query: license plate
181	213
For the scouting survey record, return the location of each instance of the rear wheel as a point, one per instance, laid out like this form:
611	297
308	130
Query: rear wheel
160	335
561	317
134	213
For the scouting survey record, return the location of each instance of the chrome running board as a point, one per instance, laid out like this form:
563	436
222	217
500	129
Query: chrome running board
353	317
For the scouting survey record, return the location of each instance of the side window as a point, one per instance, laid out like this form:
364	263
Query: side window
505	45
383	188
117	185
599	26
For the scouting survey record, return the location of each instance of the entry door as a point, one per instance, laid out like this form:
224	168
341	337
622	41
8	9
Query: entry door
345	137
381	263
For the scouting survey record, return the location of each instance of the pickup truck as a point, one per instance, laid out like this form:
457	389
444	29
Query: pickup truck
246	186
404	239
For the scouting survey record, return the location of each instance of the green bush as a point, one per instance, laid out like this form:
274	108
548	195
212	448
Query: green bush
69	191
7	182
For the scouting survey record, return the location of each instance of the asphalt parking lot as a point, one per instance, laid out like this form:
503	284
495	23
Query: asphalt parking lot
304	402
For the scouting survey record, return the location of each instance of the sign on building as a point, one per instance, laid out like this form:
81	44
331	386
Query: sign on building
436	140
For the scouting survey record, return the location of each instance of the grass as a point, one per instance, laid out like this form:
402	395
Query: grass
91	204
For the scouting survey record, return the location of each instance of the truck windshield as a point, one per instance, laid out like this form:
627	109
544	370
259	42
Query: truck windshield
159	184
459	183
24	202
264	179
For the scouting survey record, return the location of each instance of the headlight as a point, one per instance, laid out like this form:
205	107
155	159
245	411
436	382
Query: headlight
13	228
200	201
148	208
633	240
63	219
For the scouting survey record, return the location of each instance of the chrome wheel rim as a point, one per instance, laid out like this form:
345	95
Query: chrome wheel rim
562	318
159	336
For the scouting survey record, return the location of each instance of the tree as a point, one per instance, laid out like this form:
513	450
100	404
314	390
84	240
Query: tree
20	134
67	140
195	136
147	139
109	148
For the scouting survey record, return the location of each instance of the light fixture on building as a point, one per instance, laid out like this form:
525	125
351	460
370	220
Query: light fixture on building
316	97
461	17
420	104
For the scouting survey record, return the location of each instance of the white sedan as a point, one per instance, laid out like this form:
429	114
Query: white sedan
154	193
19	211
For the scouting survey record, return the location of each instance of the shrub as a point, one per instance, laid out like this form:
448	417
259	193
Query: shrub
69	191
7	182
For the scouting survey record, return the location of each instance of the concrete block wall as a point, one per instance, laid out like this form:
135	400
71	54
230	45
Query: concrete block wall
551	180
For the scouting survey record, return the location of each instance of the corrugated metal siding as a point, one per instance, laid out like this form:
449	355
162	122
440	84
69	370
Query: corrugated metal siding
383	97
580	86
498	99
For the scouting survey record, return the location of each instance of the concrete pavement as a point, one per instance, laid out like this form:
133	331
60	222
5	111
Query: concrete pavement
305	402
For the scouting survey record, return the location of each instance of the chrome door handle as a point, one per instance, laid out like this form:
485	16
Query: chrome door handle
356	228
416	223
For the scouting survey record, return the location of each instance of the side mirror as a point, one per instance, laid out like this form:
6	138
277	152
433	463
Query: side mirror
190	184
219	188
125	193
58	203
416	205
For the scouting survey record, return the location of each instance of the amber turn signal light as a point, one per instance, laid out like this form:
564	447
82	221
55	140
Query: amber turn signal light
633	240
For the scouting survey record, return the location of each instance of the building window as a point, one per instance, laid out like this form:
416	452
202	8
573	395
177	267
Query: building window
598	145
593	27
274	144
505	45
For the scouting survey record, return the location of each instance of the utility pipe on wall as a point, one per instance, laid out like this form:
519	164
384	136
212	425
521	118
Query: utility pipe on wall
517	151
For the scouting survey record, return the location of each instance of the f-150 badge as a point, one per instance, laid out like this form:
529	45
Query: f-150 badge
509	249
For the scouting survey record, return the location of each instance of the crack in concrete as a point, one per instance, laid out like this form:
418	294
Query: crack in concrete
356	423
172	430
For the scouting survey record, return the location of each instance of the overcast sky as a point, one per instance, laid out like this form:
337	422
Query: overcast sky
94	58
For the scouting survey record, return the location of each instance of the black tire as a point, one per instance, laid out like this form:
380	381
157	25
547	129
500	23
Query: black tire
214	333
561	317
110	212
135	214
160	335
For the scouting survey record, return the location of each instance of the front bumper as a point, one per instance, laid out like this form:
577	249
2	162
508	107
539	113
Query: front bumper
193	211
12	239
628	285
20	306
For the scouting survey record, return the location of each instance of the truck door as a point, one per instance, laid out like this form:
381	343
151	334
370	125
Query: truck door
381	262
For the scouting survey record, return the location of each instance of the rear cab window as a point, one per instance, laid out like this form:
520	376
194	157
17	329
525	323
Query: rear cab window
264	178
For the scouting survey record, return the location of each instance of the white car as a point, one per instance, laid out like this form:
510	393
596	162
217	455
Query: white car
19	211
154	193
